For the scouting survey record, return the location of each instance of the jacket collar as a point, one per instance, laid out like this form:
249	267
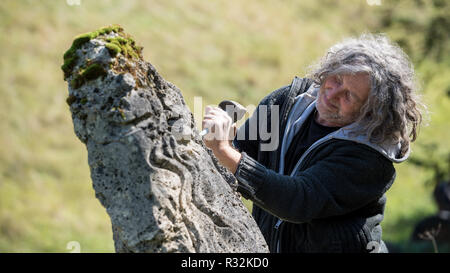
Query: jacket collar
305	103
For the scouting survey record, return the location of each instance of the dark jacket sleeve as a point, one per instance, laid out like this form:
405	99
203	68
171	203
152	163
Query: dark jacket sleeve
346	176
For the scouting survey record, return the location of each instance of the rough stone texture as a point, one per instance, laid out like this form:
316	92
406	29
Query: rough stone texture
162	188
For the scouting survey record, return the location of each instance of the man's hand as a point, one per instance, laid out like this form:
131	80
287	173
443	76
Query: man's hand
221	133
221	130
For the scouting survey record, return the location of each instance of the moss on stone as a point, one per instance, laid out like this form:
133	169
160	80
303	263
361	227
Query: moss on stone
122	113
68	65
81	39
127	46
121	43
71	99
86	37
91	72
113	49
94	71
70	57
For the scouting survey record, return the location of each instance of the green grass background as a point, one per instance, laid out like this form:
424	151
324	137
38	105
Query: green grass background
222	49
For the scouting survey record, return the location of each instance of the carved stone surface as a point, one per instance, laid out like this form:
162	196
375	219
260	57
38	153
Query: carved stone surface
162	188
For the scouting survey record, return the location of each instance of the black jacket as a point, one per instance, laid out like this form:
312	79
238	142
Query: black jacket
333	202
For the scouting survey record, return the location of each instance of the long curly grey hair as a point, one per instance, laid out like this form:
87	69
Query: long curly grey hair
393	109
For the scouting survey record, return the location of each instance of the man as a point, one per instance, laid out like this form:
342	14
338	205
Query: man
322	189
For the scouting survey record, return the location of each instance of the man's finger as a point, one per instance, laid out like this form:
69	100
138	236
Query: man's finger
209	116
232	132
207	123
216	111
208	109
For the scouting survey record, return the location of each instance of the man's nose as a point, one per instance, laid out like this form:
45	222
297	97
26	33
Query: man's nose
334	92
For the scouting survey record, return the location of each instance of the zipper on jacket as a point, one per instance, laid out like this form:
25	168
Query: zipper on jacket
299	163
277	225
277	231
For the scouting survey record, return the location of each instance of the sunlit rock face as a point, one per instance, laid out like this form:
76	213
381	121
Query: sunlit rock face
162	188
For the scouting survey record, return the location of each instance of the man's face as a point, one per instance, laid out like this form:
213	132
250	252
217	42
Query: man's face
340	99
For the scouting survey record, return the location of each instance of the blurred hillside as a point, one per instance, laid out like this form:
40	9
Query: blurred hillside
224	49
